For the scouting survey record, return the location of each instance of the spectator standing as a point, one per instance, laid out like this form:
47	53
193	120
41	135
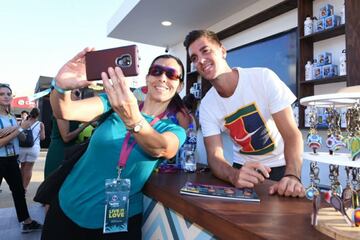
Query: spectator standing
28	155
63	134
9	152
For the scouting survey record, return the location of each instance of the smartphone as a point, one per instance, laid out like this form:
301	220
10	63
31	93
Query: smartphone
126	57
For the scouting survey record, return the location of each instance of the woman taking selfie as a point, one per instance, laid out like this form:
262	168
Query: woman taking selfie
139	135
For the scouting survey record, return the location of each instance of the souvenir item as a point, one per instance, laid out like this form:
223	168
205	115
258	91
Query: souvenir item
338	204
346	195
334	144
334	141
313	189
356	217
316	206
314	141
353	130
336	188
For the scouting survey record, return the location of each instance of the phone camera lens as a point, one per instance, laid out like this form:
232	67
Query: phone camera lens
123	61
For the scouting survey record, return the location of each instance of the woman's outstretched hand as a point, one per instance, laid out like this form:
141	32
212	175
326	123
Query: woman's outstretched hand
120	96
73	74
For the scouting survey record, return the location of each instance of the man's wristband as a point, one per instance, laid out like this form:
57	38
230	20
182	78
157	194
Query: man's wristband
292	175
56	87
20	129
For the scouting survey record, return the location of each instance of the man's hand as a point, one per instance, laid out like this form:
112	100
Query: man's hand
288	186
250	174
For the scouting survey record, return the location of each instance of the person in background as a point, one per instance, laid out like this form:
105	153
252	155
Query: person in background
78	212
253	106
28	155
63	134
23	116
4	132
9	152
86	133
190	103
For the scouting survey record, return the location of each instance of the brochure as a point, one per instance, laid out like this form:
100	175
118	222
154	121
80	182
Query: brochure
223	192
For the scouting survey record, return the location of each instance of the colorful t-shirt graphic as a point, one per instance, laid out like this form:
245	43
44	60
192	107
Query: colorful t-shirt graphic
248	130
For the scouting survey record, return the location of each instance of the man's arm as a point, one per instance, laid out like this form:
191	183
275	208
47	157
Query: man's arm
293	149
247	176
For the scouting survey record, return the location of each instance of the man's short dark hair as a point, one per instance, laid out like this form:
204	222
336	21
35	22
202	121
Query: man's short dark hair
196	34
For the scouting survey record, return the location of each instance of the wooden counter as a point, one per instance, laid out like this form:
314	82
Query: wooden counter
273	218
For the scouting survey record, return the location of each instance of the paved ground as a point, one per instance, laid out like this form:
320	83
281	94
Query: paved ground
9	226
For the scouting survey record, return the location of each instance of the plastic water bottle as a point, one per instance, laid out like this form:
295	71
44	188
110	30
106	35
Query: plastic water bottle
308	71
308	26
342	13
191	137
314	65
188	151
314	20
342	68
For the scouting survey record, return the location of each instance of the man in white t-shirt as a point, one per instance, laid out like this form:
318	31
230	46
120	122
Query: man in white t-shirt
253	106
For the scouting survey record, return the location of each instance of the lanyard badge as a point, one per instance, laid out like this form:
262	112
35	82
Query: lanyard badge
117	205
10	150
117	190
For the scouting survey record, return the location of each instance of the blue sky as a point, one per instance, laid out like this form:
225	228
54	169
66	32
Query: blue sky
39	36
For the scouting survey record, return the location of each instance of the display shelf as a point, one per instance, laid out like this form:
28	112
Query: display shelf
332	224
341	159
324	80
325	34
331	100
351	31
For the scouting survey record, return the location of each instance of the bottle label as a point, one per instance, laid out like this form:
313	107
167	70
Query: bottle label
308	72
308	27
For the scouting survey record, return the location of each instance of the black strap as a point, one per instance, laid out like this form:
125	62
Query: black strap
38	122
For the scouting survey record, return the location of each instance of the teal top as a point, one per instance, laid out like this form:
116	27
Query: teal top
55	155
82	195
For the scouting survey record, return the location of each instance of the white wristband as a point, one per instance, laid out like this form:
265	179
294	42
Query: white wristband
20	129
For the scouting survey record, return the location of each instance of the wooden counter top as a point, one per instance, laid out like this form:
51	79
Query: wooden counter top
273	218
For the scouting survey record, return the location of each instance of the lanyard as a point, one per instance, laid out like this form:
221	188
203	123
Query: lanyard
127	148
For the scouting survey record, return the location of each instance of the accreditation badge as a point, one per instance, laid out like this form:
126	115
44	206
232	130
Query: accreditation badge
10	150
117	205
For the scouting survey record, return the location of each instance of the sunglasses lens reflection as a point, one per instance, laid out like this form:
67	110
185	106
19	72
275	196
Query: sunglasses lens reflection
157	70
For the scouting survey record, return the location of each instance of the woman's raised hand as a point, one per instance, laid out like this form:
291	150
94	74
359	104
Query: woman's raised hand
120	96
73	74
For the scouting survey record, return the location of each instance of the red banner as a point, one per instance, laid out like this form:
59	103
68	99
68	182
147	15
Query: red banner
22	102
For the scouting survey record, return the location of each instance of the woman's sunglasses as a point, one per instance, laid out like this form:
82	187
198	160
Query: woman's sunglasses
158	70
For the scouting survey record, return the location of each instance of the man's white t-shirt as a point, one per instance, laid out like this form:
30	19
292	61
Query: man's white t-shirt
246	116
